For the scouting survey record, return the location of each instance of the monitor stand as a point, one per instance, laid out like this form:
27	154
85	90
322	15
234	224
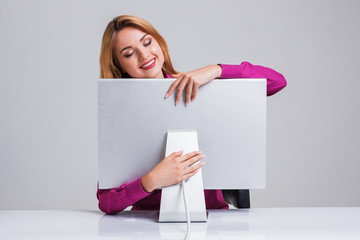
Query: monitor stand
172	208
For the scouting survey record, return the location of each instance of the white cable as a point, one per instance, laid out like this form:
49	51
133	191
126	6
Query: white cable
187	212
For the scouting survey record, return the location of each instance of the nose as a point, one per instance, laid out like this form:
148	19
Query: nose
143	54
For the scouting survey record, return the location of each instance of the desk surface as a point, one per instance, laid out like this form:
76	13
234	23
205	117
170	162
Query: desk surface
256	223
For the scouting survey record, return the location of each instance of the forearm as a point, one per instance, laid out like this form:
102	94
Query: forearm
275	80
117	199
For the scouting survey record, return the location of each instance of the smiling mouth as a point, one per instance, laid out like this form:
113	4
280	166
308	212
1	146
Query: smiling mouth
148	64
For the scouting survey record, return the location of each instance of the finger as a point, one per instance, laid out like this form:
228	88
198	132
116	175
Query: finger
190	174
189	89
175	154
172	88
195	90
189	155
180	89
193	168
193	160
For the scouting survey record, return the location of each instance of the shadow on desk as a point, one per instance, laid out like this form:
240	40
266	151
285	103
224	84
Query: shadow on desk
145	225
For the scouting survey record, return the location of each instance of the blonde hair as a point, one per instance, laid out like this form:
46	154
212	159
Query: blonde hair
109	64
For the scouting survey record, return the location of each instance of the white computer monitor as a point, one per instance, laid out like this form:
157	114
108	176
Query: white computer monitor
228	115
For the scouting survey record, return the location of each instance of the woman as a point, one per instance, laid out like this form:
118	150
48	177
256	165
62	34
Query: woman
132	48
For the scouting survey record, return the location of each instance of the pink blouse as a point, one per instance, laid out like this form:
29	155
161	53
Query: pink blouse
132	194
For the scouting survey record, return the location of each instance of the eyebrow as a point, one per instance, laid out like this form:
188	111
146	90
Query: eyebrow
131	46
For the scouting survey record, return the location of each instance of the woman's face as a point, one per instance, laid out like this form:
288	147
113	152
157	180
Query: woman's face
139	54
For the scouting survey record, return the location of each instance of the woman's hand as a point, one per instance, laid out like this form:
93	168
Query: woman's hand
192	81
172	170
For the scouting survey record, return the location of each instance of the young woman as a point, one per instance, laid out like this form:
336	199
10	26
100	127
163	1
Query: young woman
132	48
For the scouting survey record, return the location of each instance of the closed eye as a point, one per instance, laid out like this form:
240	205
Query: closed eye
128	55
147	44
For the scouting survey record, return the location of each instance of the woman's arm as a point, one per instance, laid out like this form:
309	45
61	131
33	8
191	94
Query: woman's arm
275	80
117	199
192	80
171	170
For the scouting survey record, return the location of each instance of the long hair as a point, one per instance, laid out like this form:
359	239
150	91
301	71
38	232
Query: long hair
109	64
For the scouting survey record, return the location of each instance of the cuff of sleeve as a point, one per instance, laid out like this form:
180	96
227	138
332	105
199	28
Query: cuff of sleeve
231	71
135	191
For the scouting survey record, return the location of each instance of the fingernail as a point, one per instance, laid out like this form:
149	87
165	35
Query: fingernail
204	155
192	99
180	151
177	102
166	95
187	103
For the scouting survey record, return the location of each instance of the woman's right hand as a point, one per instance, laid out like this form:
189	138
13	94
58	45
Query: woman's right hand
172	170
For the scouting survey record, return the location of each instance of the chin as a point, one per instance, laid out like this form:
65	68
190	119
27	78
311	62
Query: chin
149	74
155	74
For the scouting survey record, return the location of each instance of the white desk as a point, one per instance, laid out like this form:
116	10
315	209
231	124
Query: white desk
260	223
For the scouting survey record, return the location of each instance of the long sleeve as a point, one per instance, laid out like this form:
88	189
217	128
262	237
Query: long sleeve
275	80
117	199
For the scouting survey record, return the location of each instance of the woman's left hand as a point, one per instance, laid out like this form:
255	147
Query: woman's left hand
192	81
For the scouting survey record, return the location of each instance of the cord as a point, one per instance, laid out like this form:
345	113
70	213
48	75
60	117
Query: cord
187	212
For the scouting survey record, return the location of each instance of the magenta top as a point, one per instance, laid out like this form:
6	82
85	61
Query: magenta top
132	194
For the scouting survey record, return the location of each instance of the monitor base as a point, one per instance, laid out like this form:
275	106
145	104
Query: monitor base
172	207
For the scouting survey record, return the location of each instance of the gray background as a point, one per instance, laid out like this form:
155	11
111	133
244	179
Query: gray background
49	66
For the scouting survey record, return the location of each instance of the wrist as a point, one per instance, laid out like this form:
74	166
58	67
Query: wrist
217	71
147	183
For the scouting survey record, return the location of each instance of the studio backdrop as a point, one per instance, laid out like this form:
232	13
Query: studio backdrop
49	64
